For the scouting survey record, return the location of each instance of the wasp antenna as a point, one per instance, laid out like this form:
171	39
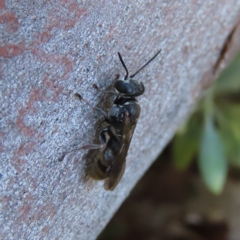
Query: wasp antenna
121	60
133	75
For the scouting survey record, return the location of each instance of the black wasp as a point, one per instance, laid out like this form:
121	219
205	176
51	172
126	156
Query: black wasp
115	138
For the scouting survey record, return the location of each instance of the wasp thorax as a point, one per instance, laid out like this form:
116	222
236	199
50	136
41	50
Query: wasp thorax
129	88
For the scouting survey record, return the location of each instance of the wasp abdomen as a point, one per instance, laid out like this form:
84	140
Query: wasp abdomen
97	171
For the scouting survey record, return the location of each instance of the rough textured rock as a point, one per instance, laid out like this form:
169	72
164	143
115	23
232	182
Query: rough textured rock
51	49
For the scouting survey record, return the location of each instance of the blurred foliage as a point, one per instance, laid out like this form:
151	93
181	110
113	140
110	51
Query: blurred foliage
213	131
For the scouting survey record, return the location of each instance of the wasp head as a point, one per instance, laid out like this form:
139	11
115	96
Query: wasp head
129	87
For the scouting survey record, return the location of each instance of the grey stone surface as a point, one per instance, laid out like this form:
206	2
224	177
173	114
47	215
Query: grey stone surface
51	49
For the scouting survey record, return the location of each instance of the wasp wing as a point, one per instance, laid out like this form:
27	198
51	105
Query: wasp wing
118	167
113	180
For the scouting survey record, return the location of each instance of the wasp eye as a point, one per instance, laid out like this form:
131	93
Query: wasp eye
142	87
123	87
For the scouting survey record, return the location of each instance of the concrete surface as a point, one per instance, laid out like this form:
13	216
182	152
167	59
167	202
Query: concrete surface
51	49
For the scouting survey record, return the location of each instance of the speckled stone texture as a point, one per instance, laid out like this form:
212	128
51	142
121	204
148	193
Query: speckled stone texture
51	49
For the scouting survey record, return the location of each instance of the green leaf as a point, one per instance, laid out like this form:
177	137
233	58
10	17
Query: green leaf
231	145
186	144
229	129
212	160
229	81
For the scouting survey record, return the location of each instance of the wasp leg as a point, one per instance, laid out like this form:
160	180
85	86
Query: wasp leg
103	135
93	146
112	143
105	92
85	147
94	108
102	138
98	169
